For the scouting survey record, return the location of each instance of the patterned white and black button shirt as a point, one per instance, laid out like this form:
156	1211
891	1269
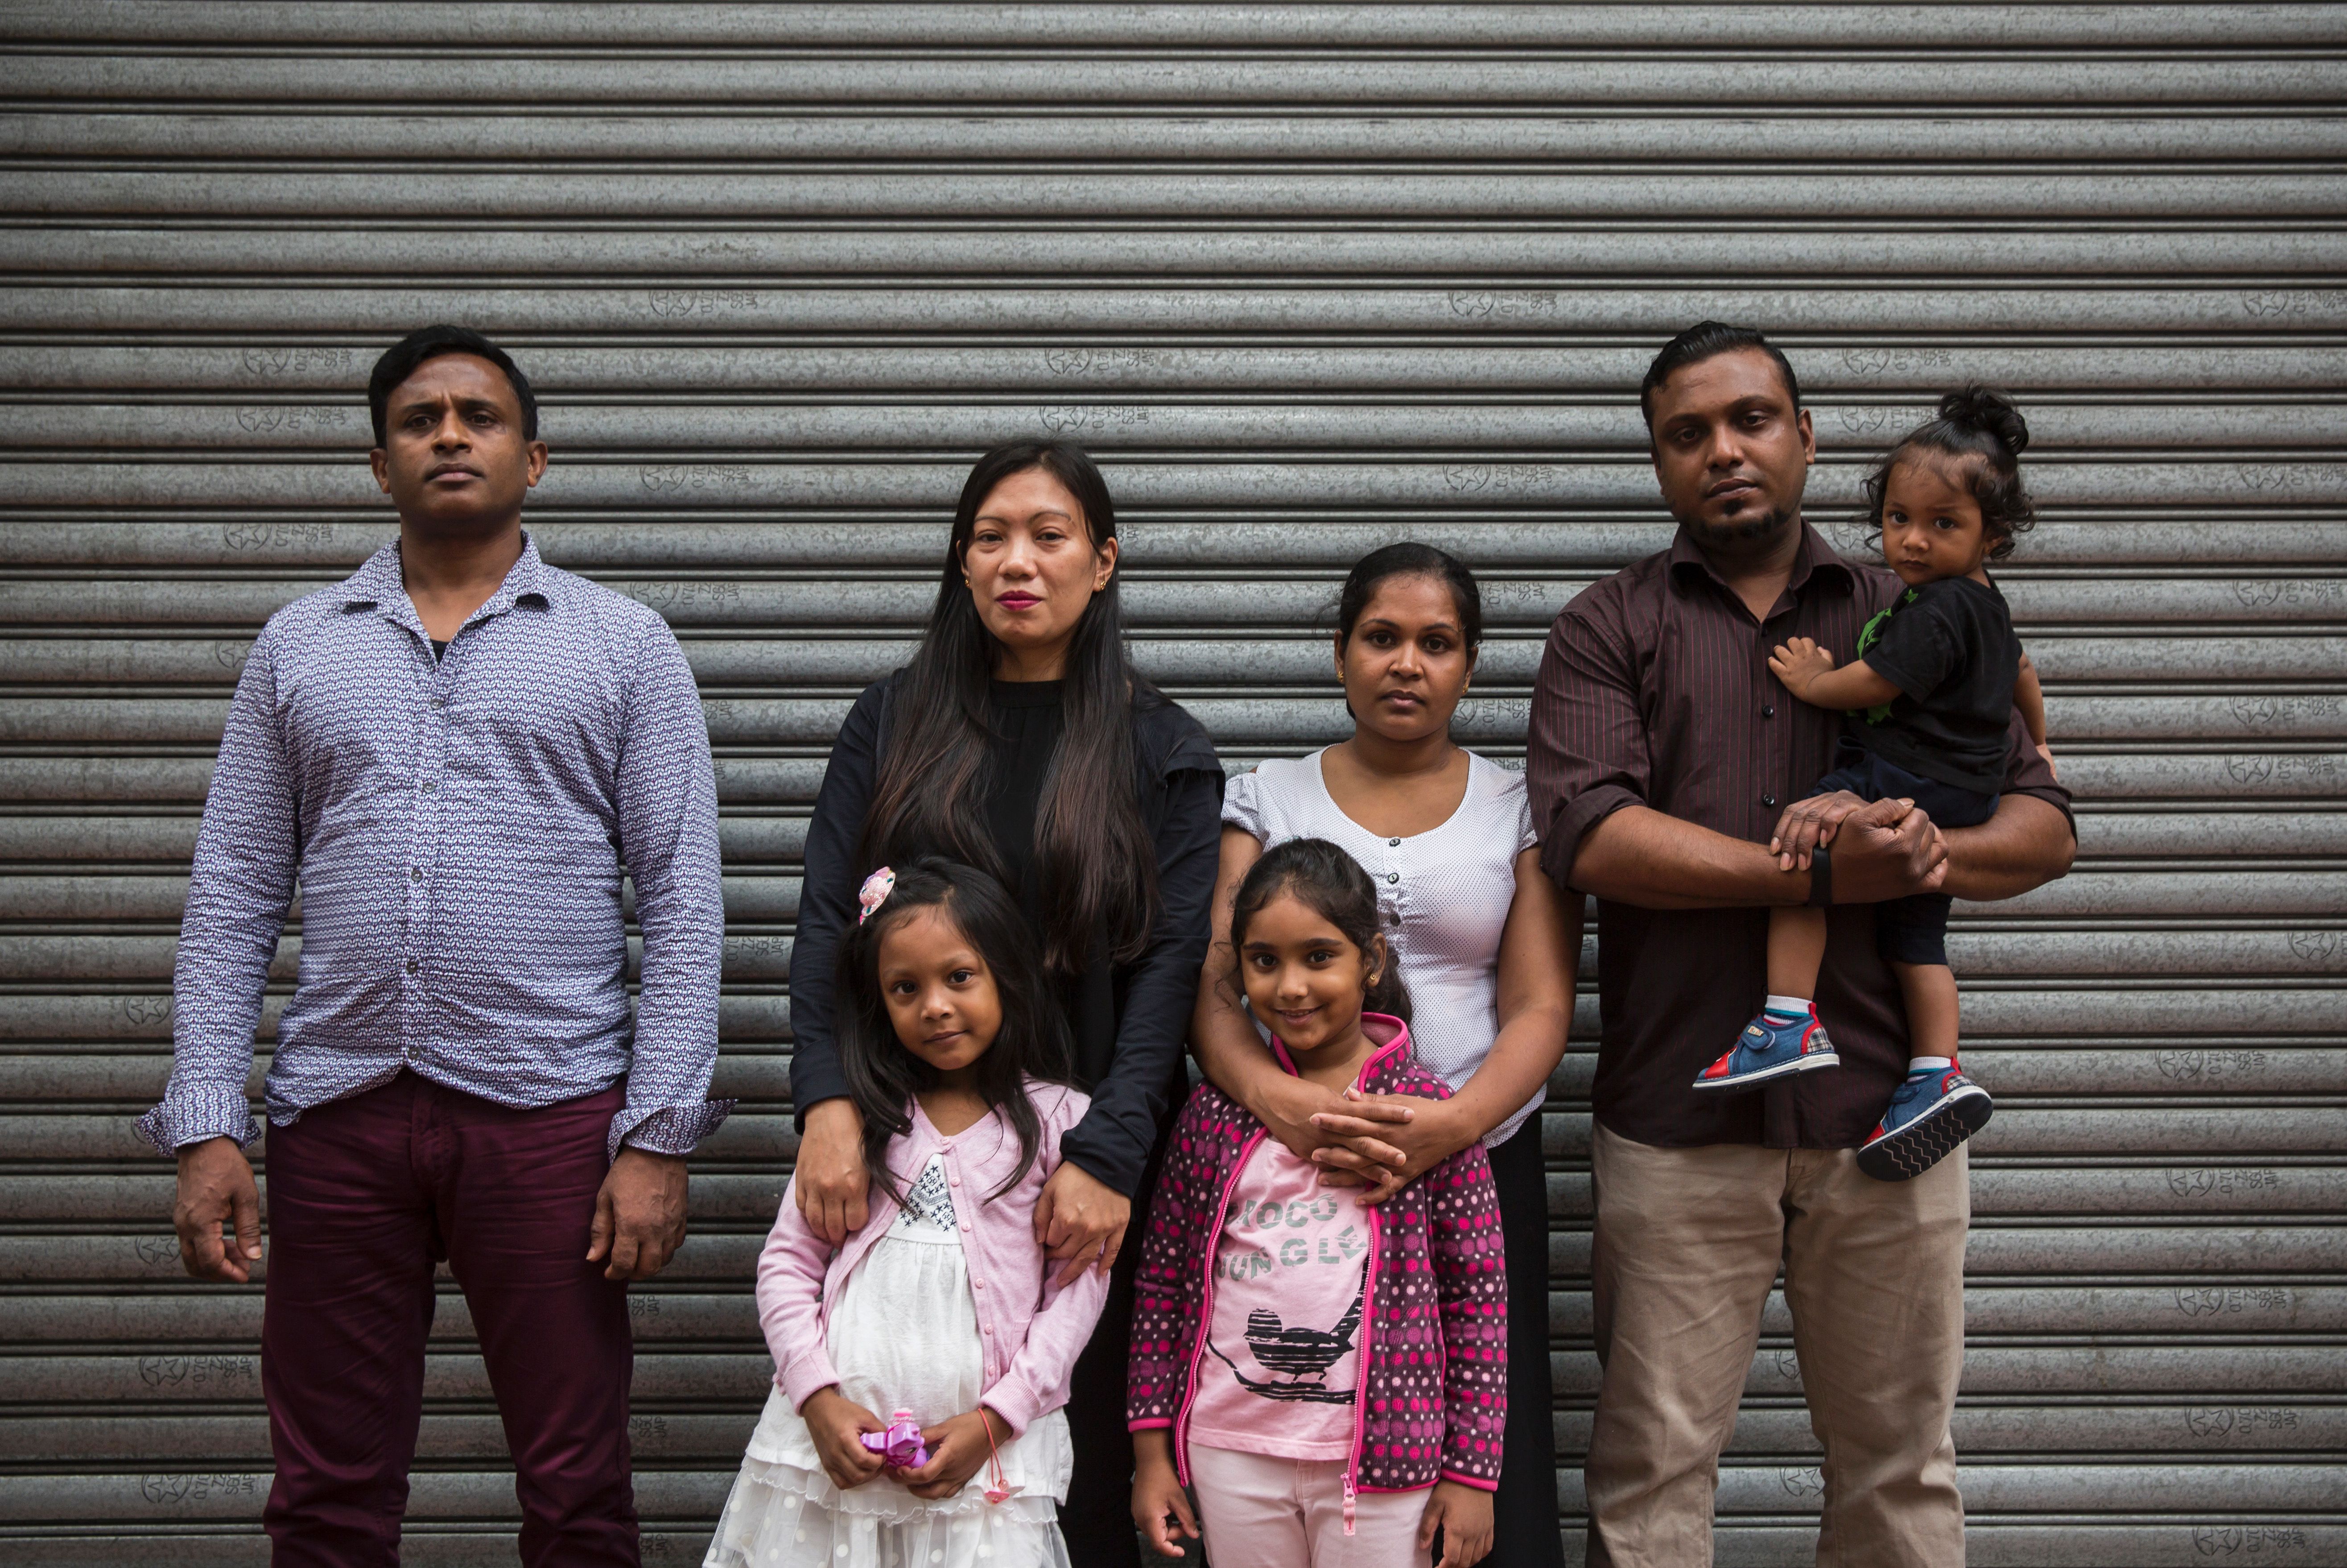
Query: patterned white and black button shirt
457	828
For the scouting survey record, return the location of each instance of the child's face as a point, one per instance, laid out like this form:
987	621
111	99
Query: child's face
940	994
1303	979
1932	525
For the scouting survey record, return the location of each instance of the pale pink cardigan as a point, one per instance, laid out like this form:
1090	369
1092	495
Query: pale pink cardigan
1030	1332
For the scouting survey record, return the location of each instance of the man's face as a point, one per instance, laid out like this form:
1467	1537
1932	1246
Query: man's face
1731	452
454	457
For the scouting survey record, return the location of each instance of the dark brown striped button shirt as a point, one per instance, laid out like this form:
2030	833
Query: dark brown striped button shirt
1654	691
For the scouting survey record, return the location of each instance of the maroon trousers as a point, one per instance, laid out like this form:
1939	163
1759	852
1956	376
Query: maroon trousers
364	1196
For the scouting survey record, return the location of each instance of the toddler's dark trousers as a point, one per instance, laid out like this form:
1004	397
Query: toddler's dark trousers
1913	929
365	1194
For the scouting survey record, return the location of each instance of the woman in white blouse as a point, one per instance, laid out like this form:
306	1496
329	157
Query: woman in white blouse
1488	948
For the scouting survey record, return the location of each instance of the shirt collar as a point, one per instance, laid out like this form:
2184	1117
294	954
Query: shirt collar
1815	558
377	585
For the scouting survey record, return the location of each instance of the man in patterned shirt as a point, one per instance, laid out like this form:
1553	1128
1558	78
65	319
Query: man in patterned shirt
454	754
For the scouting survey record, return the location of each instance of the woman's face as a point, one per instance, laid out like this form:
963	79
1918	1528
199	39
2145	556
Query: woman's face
1032	571
1406	665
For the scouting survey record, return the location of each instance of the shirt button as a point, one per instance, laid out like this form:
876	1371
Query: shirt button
1768	709
438	703
953	1181
1393	876
1393	844
1768	800
415	874
411	966
427	787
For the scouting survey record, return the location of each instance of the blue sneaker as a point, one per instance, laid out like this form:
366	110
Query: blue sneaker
1771	1046
1935	1109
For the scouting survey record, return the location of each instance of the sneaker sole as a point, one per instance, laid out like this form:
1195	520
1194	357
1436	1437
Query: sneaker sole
1903	1155
1808	1064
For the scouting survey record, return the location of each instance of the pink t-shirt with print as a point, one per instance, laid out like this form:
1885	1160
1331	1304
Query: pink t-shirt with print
1279	1371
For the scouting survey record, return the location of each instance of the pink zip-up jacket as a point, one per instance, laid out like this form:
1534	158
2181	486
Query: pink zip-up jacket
1032	1331
1433	1359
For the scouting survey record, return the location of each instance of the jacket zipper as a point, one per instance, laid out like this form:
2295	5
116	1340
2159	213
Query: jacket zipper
1361	1377
1207	1312
1368	1328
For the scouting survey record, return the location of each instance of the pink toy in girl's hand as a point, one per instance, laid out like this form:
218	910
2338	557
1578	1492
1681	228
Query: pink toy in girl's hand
900	1445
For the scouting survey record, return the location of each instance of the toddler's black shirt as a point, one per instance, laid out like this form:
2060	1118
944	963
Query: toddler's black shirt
1949	648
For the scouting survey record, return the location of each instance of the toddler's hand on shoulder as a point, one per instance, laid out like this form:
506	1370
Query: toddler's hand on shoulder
837	1424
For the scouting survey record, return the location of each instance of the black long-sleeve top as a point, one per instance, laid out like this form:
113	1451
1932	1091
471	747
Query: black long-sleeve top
1129	1022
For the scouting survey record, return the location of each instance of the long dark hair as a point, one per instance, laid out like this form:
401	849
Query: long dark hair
883	1076
1332	884
1095	867
1976	423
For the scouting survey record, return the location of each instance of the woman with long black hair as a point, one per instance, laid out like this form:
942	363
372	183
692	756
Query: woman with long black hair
1019	739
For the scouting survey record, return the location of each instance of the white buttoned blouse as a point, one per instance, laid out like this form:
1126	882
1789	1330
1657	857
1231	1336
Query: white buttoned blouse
1443	896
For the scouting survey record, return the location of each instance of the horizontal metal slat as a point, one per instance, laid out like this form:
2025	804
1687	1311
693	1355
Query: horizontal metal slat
1059	312
770	428
1769	135
277	363
1936	82
556	194
1453	28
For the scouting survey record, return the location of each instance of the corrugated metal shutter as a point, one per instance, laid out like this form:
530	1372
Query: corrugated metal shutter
1308	279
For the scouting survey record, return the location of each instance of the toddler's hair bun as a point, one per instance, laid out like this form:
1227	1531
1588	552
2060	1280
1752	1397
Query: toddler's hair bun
1991	413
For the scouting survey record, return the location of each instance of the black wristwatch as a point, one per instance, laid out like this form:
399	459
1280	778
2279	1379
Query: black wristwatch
1820	877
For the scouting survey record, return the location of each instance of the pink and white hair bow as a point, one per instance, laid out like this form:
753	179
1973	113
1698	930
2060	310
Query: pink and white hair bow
874	893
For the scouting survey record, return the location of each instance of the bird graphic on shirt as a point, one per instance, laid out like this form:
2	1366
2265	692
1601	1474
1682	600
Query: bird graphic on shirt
1299	1352
1301	1356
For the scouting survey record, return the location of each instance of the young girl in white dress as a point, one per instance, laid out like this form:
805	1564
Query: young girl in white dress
920	1369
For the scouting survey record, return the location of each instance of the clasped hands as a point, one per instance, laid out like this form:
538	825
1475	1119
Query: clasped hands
959	1447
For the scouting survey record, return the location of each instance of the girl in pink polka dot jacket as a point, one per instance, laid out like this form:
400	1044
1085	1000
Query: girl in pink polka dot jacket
1320	1362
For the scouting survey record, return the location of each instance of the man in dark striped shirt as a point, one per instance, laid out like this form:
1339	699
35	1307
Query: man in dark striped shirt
1663	754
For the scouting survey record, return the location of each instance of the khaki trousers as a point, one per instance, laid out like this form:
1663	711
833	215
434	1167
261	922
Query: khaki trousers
1688	1242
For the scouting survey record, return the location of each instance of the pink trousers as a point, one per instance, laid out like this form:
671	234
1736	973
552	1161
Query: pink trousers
1263	1512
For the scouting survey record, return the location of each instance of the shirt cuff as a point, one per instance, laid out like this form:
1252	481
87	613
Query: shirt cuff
667	1129
197	1114
1561	847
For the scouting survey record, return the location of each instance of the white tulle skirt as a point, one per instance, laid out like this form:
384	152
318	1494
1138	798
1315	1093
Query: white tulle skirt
904	1335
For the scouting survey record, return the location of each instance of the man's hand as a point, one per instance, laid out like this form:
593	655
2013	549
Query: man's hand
639	1214
832	1183
1408	1137
1887	850
1161	1509
958	1449
2046	751
1464	1516
1080	1219
1810	822
836	1424
216	1188
1799	662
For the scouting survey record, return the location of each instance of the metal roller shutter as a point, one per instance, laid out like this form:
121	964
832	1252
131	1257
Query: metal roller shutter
1308	279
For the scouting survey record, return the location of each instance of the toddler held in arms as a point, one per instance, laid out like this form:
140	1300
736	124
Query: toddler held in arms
1930	699
920	1369
1330	1374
